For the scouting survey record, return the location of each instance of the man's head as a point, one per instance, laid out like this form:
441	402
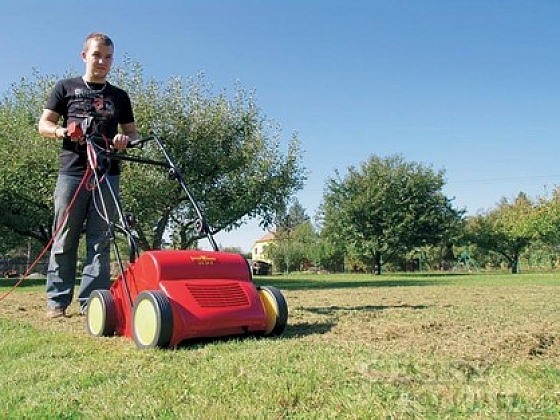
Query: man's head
98	55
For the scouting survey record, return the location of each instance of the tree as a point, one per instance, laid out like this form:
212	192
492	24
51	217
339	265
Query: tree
506	230
292	250
387	207
546	219
27	165
229	153
294	238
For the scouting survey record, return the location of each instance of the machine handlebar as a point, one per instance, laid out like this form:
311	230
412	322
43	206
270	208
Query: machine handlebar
75	132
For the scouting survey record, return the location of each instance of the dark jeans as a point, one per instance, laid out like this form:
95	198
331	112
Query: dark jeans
89	209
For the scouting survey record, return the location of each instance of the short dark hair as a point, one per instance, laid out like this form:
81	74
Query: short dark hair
98	37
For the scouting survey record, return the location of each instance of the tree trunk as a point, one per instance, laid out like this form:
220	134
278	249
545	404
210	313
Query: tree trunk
160	229
377	264
515	264
142	240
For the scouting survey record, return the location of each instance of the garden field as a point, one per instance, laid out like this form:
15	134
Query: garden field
356	347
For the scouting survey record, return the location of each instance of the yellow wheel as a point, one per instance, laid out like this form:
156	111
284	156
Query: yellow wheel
152	320
101	313
275	309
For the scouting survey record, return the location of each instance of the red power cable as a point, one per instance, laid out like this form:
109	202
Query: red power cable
84	180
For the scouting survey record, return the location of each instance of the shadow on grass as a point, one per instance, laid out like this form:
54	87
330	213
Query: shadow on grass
303	283
297	330
324	284
28	282
329	310
284	284
302	329
292	331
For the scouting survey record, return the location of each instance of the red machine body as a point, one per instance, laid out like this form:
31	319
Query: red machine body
211	293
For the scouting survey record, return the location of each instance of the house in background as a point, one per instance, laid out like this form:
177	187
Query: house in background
259	262
259	247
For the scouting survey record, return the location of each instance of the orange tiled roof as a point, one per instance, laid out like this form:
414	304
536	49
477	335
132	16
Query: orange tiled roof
270	236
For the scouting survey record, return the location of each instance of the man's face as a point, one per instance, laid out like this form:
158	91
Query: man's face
98	58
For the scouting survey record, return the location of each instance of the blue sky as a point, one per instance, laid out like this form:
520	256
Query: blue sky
469	86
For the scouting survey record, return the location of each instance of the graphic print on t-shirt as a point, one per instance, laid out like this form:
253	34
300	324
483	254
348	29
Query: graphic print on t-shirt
90	103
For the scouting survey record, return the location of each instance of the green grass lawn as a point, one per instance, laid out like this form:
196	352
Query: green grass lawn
356	346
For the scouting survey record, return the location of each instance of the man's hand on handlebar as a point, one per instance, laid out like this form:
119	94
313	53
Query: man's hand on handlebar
121	141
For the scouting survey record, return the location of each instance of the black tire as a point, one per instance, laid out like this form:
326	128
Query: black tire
276	310
101	314
152	320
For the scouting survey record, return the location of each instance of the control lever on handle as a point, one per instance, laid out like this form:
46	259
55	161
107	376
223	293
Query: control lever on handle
74	131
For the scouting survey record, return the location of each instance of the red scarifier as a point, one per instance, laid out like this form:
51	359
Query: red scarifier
208	294
168	297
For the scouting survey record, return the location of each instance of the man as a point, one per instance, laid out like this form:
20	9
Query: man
76	205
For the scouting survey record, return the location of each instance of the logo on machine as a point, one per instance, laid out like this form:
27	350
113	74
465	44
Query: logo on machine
203	260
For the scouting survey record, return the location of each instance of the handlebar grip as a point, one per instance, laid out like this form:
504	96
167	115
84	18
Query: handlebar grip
134	143
139	142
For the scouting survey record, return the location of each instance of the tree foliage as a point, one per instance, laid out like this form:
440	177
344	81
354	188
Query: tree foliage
292	250
28	164
513	226
546	219
294	239
290	218
228	151
385	207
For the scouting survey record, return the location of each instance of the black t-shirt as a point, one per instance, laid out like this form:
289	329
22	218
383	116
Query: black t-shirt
75	101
